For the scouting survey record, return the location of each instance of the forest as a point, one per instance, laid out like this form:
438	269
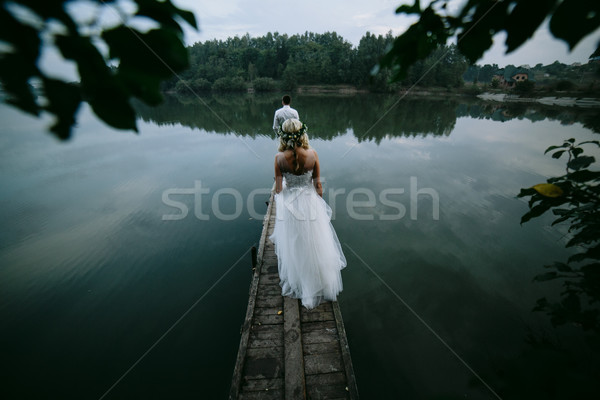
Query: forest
275	61
281	62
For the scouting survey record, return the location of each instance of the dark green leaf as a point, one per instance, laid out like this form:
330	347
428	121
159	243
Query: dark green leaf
587	235
593	253
571	302
164	13
561	211
552	148
19	66
558	154
586	13
527	192
158	52
406	9
561	267
536	211
524	19
596	142
545	276
577	151
141	85
584	176
580	162
63	101
477	34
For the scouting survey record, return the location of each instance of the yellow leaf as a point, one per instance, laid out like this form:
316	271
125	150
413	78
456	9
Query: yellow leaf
548	190
279	312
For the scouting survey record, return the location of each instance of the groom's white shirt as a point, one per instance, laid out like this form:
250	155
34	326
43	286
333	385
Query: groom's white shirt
285	112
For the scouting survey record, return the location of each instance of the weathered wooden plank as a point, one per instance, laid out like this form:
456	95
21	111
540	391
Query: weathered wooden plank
267	352
328	392
318	325
252	385
333	378
349	369
265	331
316	316
270	259
255	342
323	307
270	285
270	302
271	268
276	394
327	386
319	336
260	368
245	336
269	279
268	319
264	295
271	290
294	361
267	310
266	337
323	363
320	348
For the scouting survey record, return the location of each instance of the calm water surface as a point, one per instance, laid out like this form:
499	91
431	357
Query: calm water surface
94	269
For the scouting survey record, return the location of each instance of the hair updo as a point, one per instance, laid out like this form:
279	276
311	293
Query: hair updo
293	133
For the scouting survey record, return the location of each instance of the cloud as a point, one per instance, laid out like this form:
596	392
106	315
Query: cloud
352	19
542	48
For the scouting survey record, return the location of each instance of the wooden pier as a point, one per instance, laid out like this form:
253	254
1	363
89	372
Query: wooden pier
286	351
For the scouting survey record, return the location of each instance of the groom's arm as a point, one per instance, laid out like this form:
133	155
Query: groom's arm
275	123
278	177
316	176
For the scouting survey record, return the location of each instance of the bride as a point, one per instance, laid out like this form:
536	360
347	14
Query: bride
309	254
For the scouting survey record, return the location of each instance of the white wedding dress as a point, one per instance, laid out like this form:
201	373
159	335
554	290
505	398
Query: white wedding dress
309	254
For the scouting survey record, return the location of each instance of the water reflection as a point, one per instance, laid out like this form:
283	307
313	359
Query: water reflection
368	117
92	275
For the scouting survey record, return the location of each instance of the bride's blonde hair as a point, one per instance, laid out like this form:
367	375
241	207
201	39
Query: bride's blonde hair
291	126
292	134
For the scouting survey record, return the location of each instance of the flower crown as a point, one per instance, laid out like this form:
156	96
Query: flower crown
291	138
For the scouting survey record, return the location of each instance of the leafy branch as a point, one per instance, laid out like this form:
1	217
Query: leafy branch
573	198
144	59
480	20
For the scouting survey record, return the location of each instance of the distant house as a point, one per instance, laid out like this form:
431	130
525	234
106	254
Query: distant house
510	76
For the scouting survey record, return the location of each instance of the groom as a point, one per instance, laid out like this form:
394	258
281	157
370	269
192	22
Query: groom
285	112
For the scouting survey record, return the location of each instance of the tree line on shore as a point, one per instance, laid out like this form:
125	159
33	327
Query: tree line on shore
278	61
281	62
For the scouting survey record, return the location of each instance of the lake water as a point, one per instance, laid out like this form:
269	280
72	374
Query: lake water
98	258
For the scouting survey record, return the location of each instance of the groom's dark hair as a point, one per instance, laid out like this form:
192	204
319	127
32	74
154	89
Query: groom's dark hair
286	99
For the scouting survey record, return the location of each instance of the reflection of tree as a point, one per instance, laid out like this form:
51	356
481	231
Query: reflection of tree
547	369
326	116
549	366
588	117
574	198
329	116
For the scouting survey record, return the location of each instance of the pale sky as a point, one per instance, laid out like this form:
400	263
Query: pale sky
220	19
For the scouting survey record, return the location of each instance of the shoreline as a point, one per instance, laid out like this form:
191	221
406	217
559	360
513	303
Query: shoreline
584	102
566	99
